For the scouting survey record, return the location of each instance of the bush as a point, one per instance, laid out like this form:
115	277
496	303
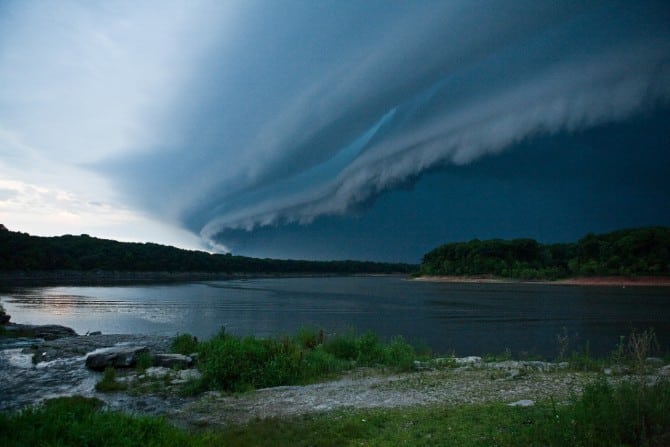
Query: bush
400	354
238	364
184	344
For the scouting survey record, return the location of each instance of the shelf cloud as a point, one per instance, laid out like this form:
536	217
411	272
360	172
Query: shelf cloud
244	115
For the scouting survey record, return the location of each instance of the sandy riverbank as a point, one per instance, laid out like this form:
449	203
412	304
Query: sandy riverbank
618	281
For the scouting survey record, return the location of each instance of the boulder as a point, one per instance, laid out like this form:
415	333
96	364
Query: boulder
172	360
116	357
4	318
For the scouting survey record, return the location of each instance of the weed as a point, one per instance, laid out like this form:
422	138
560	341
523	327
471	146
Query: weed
562	344
144	361
640	345
108	383
184	344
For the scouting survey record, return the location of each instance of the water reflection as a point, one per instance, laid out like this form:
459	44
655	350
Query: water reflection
465	318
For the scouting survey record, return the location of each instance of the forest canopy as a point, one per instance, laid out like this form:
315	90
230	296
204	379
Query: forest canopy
21	251
629	252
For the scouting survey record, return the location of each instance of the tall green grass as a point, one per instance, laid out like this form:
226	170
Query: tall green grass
233	363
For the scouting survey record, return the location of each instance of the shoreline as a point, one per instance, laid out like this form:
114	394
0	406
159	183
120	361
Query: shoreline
609	281
114	277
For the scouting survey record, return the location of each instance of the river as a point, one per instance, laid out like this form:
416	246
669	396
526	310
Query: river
464	319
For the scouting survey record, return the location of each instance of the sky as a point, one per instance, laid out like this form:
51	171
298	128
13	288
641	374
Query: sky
333	129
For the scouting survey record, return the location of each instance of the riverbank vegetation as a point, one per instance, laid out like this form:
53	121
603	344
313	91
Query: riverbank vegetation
630	252
232	363
23	252
631	413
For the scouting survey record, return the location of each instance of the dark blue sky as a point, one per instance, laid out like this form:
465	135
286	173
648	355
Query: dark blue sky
334	129
553	188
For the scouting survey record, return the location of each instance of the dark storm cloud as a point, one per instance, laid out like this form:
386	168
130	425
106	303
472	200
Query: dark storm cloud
310	109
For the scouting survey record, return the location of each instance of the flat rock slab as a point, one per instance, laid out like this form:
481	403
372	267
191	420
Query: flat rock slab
116	357
45	332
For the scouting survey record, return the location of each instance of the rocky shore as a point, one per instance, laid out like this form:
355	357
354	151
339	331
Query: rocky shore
37	369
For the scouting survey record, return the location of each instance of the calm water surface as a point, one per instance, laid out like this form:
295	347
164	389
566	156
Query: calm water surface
465	318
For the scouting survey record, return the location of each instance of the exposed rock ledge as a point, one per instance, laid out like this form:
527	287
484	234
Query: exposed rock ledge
45	331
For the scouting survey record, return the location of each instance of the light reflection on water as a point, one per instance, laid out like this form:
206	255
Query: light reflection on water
465	318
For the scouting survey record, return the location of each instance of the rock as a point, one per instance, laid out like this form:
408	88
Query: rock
172	360
94	333
665	371
522	403
4	318
470	360
616	370
46	332
117	357
157	372
189	374
185	375
507	364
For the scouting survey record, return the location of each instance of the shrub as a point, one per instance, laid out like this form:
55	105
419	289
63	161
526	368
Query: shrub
343	346
400	354
238	364
184	344
369	349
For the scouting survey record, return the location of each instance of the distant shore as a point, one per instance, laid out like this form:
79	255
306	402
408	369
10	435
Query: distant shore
105	277
619	281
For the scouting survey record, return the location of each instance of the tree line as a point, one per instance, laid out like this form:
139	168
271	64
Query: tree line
628	252
23	252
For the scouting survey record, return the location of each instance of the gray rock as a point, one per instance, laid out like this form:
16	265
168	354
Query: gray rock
157	372
470	360
654	361
172	360
117	357
665	371
46	332
522	403
94	333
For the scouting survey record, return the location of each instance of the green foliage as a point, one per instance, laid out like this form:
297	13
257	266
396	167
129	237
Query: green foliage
631	252
238	364
108	383
631	413
20	251
79	421
184	344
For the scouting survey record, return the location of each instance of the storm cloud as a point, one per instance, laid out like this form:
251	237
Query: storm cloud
281	113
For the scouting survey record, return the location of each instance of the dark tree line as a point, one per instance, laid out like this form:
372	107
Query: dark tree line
629	252
21	251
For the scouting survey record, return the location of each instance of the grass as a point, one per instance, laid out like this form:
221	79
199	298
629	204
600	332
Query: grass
236	364
108	383
628	414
